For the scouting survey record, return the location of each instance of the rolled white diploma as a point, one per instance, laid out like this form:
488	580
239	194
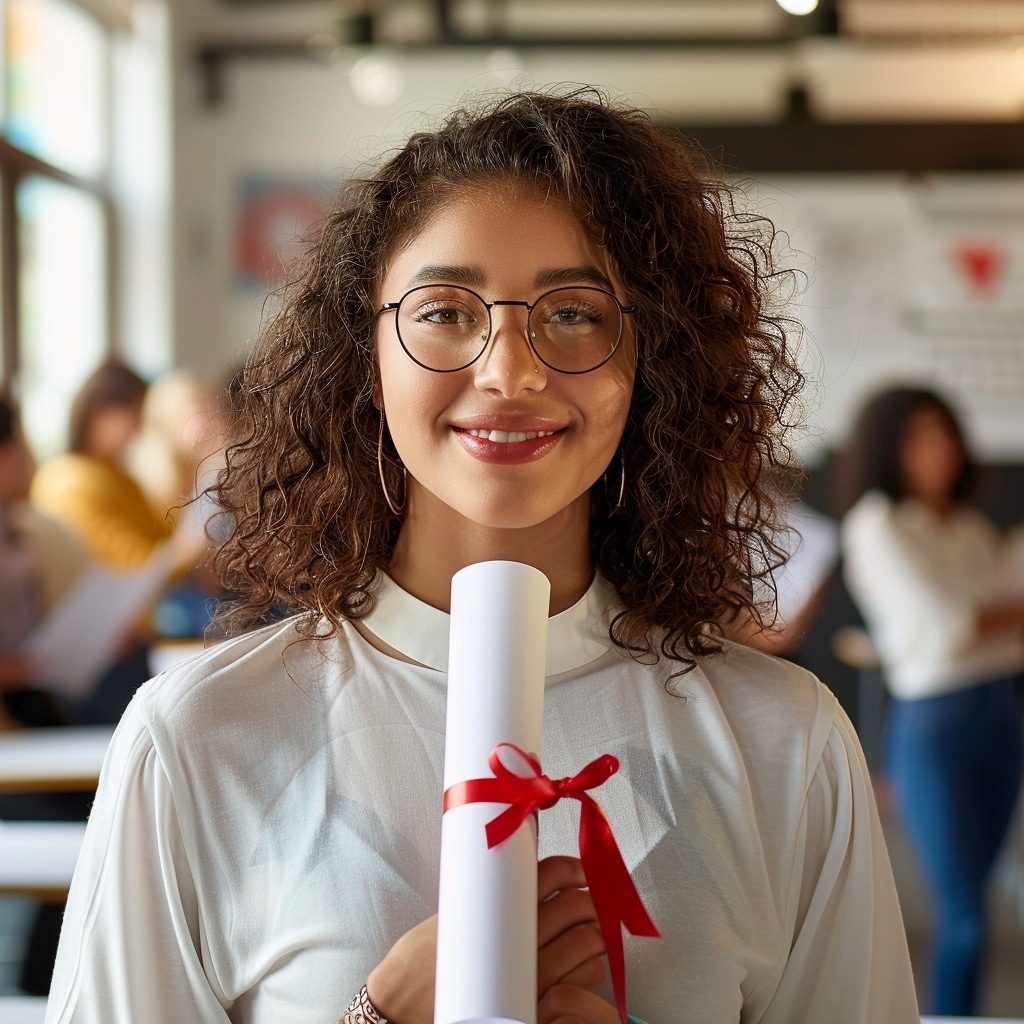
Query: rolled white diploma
487	902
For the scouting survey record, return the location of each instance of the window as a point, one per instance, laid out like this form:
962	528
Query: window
56	210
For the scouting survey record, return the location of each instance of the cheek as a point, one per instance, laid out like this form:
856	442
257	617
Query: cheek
609	402
413	402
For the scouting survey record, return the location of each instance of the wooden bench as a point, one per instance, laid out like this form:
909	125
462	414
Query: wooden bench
37	858
52	760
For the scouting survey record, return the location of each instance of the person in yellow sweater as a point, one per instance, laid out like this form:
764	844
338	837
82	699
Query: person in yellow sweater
87	489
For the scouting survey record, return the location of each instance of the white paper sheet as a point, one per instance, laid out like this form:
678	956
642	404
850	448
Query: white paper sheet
812	542
80	638
487	909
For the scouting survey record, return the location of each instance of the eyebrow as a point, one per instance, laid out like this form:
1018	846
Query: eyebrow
572	275
436	273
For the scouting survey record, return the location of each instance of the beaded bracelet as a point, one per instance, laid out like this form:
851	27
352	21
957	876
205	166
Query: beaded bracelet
362	1011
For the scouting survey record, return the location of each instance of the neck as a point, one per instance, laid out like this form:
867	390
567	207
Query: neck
940	505
436	542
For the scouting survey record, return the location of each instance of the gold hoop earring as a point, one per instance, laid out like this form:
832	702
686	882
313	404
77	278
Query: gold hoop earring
396	509
622	484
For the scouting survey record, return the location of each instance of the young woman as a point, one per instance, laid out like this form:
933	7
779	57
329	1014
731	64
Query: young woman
923	566
530	335
88	489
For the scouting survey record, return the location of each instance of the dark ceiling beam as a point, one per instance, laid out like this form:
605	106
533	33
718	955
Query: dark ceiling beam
800	146
212	57
361	29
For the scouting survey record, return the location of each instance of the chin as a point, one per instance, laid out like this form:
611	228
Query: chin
511	509
498	508
506	518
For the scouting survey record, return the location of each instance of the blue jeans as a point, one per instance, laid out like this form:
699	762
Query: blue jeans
954	763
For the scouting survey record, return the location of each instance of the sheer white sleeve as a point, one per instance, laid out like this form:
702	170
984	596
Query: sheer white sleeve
131	949
848	961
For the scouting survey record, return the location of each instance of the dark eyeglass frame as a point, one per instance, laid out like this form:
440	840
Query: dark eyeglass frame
530	307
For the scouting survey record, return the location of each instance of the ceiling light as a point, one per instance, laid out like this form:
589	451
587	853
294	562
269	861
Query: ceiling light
798	6
377	80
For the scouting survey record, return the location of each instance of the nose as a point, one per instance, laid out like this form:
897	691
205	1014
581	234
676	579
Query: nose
509	366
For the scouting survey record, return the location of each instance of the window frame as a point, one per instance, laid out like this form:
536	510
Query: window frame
16	165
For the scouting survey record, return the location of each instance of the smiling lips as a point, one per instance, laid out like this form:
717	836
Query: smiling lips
507	446
510	436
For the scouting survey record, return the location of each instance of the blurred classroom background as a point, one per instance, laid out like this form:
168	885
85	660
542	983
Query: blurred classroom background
160	158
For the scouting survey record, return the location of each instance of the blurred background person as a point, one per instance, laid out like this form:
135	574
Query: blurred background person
923	566
174	456
180	438
809	541
88	488
39	560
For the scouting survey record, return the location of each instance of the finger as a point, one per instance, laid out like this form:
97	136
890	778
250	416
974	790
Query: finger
564	910
569	954
589	974
555	873
569	1004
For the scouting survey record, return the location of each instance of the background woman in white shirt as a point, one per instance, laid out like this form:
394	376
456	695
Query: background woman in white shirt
924	567
533	334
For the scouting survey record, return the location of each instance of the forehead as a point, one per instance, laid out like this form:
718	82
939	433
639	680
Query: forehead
501	230
928	418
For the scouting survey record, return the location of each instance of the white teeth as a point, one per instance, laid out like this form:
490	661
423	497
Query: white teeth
509	436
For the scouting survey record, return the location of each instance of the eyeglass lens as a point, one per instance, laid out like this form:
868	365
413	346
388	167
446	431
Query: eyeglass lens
444	327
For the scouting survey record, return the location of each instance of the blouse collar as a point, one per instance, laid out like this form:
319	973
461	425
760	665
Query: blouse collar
576	637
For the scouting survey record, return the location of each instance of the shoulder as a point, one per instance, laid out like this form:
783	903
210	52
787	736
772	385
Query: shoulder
241	697
738	714
71	473
69	465
972	520
60	556
872	511
53	473
759	735
877	529
794	747
42	531
767	700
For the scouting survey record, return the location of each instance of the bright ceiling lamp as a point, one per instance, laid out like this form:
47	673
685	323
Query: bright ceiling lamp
797	6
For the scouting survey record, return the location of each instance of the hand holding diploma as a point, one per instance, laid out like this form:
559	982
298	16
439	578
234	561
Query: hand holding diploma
570	961
569	957
474	962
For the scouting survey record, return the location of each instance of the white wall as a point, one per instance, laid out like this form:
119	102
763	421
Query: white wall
912	279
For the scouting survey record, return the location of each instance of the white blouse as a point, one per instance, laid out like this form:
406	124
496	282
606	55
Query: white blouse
919	581
268	824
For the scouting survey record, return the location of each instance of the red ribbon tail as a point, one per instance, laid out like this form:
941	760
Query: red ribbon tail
616	901
616	962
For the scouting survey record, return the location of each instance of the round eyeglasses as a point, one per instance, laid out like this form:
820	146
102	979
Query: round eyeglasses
445	328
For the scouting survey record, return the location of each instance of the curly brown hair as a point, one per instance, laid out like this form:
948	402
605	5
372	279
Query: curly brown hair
703	448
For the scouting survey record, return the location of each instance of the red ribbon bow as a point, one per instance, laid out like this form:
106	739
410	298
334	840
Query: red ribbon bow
616	901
